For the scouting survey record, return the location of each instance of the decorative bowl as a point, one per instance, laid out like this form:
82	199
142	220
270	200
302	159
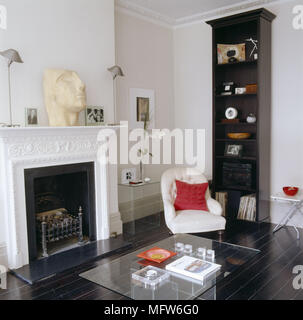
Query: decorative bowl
237	136
290	191
156	255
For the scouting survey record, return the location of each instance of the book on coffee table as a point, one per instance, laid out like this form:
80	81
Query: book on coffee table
192	267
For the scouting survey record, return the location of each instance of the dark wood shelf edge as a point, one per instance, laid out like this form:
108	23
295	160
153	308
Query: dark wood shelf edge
223	188
236	140
237	158
244	63
237	95
236	124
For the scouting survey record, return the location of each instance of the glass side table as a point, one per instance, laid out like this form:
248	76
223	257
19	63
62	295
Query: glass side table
296	206
140	206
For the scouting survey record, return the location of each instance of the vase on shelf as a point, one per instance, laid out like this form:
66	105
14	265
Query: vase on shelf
251	118
141	178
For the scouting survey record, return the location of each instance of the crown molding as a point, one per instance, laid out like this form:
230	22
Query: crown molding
140	16
127	7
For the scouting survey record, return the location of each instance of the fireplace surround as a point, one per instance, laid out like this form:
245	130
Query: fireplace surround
24	149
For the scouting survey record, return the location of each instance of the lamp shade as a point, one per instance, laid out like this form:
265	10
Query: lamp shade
116	72
12	56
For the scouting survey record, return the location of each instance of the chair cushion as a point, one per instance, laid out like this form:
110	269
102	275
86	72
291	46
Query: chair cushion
193	221
191	196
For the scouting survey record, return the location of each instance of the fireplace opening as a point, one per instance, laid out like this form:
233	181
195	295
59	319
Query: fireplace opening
60	203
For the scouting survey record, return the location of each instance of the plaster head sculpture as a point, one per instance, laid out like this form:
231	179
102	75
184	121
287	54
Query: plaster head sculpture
64	96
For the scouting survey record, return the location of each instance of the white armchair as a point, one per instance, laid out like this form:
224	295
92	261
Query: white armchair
189	221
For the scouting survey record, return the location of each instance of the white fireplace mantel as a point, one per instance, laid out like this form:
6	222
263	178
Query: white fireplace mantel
35	147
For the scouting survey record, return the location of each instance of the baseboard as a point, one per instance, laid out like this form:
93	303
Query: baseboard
116	226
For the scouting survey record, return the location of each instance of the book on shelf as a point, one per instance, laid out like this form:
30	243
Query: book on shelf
222	198
247	208
192	267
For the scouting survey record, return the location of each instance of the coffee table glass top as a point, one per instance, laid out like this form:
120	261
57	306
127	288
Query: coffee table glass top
117	275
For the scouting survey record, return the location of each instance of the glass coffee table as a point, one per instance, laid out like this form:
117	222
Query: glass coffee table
117	275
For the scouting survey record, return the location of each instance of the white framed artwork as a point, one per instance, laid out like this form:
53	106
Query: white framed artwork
142	104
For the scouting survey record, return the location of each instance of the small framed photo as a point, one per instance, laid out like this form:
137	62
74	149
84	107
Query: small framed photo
233	150
31	117
240	90
142	104
143	113
94	116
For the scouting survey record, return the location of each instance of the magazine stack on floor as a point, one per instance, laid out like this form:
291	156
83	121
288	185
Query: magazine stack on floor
222	198
247	209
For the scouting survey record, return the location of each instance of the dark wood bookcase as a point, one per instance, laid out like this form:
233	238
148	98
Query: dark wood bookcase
237	29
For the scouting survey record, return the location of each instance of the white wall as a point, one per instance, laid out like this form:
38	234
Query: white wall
144	50
192	49
71	34
193	82
287	111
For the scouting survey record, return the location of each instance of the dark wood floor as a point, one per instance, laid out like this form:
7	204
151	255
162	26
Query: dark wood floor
267	276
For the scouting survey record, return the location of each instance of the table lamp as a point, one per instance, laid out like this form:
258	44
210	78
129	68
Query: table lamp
12	56
116	71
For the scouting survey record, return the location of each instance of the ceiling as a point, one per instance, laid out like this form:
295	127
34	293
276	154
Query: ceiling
175	12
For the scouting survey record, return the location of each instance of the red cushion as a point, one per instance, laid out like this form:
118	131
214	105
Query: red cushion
191	196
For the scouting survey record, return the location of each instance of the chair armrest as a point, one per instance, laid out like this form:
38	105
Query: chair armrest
169	211
214	207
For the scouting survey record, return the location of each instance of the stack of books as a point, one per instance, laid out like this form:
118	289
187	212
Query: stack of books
193	268
247	209
222	198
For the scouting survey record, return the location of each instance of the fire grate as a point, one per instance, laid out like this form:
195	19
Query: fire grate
57	225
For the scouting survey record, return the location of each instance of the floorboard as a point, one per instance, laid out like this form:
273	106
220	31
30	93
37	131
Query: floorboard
268	276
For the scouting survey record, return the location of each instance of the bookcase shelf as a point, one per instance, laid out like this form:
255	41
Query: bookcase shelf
236	124
235	141
239	159
241	63
236	188
237	29
236	95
